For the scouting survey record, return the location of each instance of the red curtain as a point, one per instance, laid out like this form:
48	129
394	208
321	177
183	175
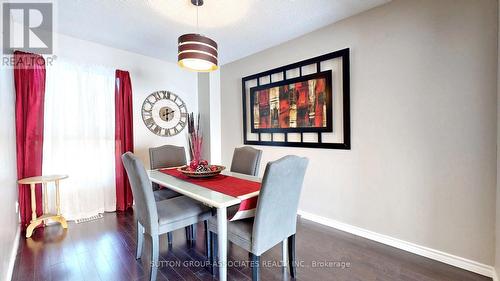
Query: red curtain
124	137
29	79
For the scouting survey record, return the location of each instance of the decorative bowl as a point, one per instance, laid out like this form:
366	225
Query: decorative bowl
201	174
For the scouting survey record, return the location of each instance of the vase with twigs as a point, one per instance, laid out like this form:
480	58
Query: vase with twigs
198	167
195	140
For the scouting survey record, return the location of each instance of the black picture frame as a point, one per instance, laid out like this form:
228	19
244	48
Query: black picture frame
327	75
346	115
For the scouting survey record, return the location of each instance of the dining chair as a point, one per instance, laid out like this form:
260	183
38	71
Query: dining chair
156	218
276	213
168	156
246	160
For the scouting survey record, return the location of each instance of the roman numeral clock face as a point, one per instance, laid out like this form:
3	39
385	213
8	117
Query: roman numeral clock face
164	113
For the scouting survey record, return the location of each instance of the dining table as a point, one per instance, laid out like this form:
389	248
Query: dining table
211	198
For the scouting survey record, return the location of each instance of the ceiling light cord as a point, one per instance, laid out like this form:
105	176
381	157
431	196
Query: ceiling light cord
197	21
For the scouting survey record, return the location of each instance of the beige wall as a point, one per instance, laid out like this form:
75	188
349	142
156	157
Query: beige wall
209	110
497	241
8	173
423	113
204	111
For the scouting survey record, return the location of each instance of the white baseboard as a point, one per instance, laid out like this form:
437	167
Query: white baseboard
437	255
495	275
13	255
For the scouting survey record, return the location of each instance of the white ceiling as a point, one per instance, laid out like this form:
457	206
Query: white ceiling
240	27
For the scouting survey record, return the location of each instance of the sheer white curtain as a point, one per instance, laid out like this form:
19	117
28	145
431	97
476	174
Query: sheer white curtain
79	133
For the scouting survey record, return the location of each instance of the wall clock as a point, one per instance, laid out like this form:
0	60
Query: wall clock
164	113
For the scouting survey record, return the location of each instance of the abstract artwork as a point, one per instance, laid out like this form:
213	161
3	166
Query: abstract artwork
302	104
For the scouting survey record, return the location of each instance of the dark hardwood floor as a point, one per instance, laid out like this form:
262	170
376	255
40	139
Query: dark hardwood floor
104	250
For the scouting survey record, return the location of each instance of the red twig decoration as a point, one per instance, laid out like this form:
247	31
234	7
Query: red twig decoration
195	139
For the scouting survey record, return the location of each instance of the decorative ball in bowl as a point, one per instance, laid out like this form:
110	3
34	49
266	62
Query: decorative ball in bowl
201	169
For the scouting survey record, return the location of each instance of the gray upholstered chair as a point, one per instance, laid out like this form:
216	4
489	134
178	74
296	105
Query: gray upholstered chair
246	160
276	215
166	156
156	218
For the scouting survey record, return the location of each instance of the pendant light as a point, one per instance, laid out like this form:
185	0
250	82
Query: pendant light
195	51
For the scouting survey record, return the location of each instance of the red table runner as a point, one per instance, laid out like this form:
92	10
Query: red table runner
228	185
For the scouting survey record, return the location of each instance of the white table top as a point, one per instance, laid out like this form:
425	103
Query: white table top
42	179
200	193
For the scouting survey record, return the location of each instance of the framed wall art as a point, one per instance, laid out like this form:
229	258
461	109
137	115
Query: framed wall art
301	104
304	104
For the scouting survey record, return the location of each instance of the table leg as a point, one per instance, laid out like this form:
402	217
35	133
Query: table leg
284	253
31	227
58	202
33	202
45	199
33	224
59	218
222	241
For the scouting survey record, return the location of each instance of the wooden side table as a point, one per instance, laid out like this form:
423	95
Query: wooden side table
36	221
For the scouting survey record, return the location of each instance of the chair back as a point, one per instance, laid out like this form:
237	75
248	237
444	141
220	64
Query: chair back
246	160
276	214
145	205
167	156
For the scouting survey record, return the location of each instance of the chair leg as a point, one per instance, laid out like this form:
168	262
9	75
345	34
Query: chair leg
291	256
188	233
215	242
193	232
155	252
213	252
207	241
255	264
140	241
170	238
